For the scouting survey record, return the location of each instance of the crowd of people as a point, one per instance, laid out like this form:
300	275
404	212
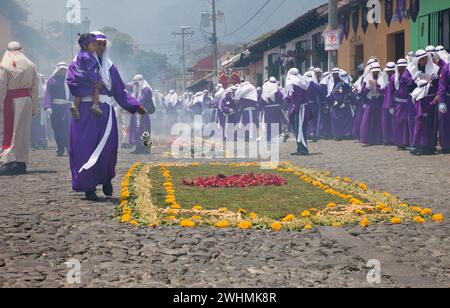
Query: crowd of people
92	112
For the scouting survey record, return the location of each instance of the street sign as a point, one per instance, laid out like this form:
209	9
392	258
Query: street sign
331	39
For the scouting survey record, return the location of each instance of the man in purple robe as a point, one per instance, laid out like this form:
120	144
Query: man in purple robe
387	115
444	109
339	98
247	99
373	96
299	113
140	124
271	105
228	115
93	139
172	105
324	114
397	100
57	103
425	99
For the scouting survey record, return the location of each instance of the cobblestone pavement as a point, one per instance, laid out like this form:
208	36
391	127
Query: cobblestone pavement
44	224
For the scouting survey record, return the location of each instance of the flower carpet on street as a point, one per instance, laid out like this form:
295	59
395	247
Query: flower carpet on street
244	196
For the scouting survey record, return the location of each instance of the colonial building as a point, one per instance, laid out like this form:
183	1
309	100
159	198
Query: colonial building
388	40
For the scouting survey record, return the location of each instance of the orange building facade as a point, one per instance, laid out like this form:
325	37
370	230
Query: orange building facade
388	43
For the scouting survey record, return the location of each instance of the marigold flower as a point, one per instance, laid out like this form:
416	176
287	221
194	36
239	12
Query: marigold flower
419	220
176	206
356	201
416	209
197	208
427	212
276	226
222	224
336	225
196	217
313	209
123	203
348	180
244	225
126	218
187	223
363	186
308	227
437	218
305	214
134	223
253	215
396	221
360	212
403	205
331	205
380	206
364	222
289	218
223	210
171	218
386	210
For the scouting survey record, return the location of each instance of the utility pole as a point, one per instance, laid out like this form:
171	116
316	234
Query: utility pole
333	24
214	37
183	34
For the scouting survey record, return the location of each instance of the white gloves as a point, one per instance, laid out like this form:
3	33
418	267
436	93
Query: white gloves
392	111
443	108
49	111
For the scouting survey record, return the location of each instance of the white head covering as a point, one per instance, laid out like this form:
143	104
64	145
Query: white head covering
410	57
430	68
106	63
62	66
442	54
294	78
382	80
269	90
142	84
247	91
171	98
14	60
198	98
330	80
421	91
345	77
220	91
400	63
311	76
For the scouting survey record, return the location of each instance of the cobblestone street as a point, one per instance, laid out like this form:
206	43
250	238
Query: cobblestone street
44	224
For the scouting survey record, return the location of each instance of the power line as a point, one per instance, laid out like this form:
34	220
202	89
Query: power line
267	19
248	21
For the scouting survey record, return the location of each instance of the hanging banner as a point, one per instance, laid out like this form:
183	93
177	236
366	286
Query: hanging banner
341	27
331	39
389	11
414	9
347	25
401	10
365	22
355	21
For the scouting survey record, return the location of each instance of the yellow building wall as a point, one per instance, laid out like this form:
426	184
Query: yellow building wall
5	33
377	41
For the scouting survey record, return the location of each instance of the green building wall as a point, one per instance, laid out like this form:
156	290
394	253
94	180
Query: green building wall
427	8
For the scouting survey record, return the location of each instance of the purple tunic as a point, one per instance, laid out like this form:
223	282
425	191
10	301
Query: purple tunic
341	112
400	100
84	72
272	114
371	133
425	121
360	107
324	116
144	125
444	118
387	119
86	134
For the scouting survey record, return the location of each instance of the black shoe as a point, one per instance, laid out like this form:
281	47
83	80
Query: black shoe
92	196
108	189
13	168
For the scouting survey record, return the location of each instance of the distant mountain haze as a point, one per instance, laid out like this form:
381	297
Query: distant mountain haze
152	22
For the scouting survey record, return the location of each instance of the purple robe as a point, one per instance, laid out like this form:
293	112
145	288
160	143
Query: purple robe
86	133
297	103
248	115
272	114
313	97
341	111
400	100
144	125
387	119
228	115
371	133
444	118
425	121
360	107
55	99
324	115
